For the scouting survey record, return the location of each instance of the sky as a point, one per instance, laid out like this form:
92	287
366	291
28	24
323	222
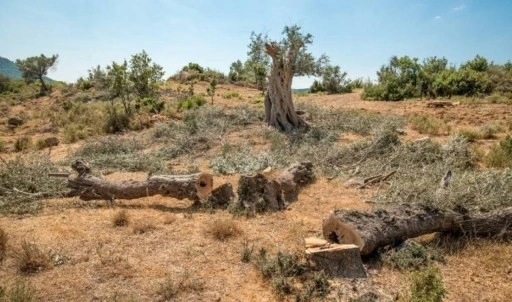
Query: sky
359	36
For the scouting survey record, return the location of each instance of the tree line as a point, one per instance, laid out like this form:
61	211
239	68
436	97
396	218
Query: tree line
405	78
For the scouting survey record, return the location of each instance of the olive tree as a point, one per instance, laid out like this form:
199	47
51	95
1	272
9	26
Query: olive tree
36	68
290	57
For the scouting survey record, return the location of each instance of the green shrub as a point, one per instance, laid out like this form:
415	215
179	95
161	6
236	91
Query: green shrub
426	124
427	285
409	255
500	155
231	95
191	102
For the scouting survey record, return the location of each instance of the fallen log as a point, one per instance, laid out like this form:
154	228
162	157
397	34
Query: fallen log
260	193
439	104
378	228
88	187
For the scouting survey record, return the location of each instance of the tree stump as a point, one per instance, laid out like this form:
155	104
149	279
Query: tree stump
221	196
336	260
378	228
88	187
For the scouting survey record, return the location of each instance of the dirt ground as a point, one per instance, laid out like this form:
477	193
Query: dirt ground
99	262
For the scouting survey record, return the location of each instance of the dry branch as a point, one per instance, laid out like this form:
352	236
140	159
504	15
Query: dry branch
87	186
378	228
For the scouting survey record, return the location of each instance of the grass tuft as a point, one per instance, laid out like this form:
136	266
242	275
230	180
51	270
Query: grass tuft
31	259
120	219
223	229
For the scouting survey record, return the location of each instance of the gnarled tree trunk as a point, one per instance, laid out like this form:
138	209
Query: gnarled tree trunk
378	228
279	109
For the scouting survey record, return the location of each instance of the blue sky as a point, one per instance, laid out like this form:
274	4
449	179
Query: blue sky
360	36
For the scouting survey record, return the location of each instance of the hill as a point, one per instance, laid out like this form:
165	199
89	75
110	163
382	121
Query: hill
9	68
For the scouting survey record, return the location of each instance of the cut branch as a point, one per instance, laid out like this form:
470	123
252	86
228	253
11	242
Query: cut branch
371	230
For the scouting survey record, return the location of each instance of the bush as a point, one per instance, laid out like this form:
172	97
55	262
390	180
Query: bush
427	285
191	102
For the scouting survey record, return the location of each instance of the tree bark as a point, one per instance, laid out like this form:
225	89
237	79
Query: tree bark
279	109
260	193
378	228
88	187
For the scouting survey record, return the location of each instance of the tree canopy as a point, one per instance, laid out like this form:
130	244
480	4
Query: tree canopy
36	68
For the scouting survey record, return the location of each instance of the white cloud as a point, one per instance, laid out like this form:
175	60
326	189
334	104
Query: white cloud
437	17
459	8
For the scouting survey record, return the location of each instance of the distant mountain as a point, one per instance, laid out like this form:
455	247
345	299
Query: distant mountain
9	68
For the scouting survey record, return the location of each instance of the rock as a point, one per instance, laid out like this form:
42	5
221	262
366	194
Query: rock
15	121
354	182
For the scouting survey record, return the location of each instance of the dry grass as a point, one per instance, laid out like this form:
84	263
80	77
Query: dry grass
3	245
142	227
173	286
21	291
30	258
223	229
120	218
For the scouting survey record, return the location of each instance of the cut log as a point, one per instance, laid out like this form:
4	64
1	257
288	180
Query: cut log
88	187
338	260
260	193
378	228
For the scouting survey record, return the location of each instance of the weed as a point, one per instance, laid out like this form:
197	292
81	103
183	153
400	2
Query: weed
223	229
170	288
231	95
143	227
30	258
427	285
3	244
489	130
247	250
120	219
21	291
426	124
22	143
500	155
470	135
